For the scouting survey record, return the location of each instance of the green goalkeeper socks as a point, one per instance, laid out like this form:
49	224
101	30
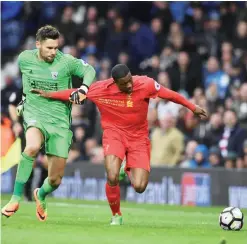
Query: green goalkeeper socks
23	173
45	189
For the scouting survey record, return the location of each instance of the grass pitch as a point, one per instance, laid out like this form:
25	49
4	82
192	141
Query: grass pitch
87	222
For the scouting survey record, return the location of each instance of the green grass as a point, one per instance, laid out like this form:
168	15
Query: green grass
87	222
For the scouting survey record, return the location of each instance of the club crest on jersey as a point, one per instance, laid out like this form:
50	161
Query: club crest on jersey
54	75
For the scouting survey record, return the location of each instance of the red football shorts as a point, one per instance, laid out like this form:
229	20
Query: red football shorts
136	151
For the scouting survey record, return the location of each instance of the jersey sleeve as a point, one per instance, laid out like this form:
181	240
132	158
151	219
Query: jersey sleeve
81	69
152	88
23	59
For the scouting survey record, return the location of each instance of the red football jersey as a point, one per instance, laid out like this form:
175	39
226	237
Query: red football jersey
121	111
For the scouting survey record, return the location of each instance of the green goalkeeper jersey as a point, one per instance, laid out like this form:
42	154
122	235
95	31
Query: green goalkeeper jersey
55	76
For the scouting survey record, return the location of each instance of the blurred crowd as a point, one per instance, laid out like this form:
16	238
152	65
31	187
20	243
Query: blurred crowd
198	49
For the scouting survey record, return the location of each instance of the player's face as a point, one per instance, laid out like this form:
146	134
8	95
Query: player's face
125	84
47	49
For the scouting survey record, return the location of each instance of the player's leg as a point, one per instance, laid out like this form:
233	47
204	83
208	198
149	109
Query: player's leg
34	141
114	151
138	164
139	179
57	149
112	189
56	166
28	185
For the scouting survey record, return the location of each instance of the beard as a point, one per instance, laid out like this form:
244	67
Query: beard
46	58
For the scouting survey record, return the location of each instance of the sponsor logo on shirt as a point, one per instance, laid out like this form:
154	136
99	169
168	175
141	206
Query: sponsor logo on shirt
43	85
117	103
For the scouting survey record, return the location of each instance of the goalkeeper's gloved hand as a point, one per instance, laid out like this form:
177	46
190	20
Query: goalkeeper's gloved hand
20	107
79	96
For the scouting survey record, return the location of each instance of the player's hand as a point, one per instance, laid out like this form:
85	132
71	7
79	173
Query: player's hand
40	93
200	112
79	96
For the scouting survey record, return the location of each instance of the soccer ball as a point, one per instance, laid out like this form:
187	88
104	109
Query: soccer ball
231	219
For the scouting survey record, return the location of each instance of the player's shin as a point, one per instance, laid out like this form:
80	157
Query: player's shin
46	189
23	173
113	197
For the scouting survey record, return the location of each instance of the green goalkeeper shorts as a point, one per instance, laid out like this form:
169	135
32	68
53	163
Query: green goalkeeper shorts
57	139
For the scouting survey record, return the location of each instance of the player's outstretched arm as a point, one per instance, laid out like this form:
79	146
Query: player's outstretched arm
86	72
63	95
73	95
177	98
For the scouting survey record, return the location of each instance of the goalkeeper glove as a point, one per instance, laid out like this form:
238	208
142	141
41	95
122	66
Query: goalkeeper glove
79	96
20	106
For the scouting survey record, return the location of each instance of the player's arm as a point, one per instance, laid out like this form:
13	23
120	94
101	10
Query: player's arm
63	95
84	71
154	89
177	98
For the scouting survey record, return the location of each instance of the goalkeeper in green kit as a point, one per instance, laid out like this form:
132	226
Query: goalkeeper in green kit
46	122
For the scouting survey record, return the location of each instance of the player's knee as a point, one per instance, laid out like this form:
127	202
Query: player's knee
31	150
140	187
112	179
55	181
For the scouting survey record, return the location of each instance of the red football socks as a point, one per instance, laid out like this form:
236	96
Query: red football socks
113	197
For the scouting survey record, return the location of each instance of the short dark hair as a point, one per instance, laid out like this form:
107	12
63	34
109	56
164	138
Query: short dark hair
119	71
47	32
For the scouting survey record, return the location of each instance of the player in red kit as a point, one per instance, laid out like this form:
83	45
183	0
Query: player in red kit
123	103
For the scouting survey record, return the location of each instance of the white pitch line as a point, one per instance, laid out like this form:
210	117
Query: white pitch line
96	206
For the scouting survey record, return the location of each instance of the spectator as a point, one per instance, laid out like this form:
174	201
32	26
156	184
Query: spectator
240	39
200	159
213	75
123	58
241	106
187	123
116	40
213	37
164	80
167	58
151	66
67	26
161	10
183	76
215	157
233	135
91	16
230	160
141	42
211	133
189	153
194	24
167	143
157	29
176	36
228	18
